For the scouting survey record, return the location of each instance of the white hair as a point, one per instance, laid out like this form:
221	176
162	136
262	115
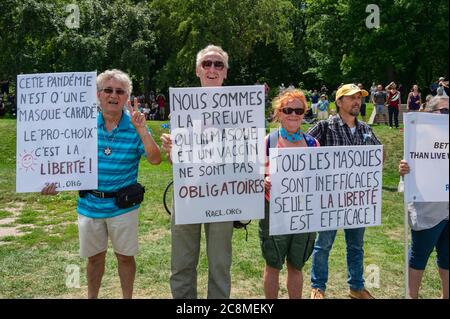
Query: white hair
117	75
436	103
212	48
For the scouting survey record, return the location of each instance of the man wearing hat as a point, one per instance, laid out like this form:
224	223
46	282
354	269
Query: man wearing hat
435	85
339	130
443	87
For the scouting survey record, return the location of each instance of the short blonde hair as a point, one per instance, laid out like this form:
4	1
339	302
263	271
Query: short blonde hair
212	48
117	75
284	98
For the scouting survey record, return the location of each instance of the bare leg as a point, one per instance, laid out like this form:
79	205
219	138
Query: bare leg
127	272
415	278
443	273
294	282
95	270
271	282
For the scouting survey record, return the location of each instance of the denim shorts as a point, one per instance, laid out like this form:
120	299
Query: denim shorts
423	243
380	109
293	248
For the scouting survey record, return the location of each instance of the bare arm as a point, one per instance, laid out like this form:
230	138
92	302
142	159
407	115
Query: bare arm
152	152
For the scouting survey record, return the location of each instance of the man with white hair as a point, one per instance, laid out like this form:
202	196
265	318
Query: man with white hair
211	69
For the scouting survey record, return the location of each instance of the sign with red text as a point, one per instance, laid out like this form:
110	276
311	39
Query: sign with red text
315	189
56	131
218	153
426	151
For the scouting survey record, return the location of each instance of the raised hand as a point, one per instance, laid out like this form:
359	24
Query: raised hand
137	118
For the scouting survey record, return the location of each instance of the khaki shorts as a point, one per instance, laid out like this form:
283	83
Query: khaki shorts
293	248
122	229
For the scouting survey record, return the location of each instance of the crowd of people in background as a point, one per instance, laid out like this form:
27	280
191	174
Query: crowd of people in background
387	100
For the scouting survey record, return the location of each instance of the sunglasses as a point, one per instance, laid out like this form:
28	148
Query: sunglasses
290	110
442	111
111	90
219	65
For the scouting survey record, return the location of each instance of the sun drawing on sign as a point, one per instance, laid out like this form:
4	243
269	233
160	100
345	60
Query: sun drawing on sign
27	161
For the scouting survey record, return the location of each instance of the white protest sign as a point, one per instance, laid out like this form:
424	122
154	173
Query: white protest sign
426	151
324	188
218	153
56	131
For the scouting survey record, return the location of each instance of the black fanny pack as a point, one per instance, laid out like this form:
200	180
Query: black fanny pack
125	197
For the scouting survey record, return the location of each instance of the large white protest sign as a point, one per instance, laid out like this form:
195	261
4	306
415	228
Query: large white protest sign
426	151
324	188
218	153
56	131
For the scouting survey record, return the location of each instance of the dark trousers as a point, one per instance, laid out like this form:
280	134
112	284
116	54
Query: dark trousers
393	113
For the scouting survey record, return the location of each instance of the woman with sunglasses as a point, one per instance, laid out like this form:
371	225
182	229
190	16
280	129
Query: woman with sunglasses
123	138
295	249
429	226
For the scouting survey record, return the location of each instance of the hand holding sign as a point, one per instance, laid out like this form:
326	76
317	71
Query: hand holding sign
403	168
267	183
166	143
50	189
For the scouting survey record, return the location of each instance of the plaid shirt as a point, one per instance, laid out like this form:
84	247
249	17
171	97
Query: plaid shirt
339	134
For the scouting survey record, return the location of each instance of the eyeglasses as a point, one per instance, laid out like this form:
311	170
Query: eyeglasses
442	111
290	110
219	65
111	90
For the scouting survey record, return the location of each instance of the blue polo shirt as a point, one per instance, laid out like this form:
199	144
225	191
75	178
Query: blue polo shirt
115	171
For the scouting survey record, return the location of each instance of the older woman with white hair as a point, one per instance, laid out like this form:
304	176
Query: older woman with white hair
123	138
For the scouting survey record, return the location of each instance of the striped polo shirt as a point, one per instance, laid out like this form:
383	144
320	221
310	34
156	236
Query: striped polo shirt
115	171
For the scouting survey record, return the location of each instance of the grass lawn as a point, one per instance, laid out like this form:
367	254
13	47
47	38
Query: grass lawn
43	243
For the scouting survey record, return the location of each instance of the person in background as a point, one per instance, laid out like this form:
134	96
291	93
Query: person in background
443	87
373	89
379	100
322	108
161	100
363	104
429	226
314	101
413	100
424	105
394	102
